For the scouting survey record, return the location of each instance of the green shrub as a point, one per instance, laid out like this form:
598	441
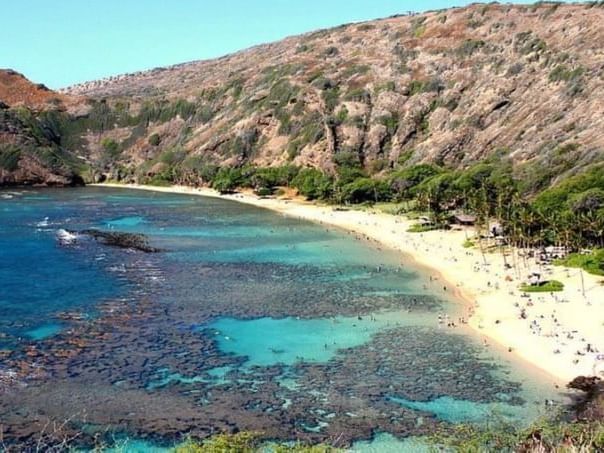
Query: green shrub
555	198
246	442
111	148
386	86
402	182
590	200
285	122
365	189
572	77
355	70
547	435
172	156
10	155
424	86
313	184
543	287
280	94
235	86
243	442
270	177
154	140
525	43
592	262
378	165
331	98
415	87
264	191
159	181
418	27
307	131
365	27
331	51
469	47
356	121
390	122
302	48
358	95
422	228
228	179
562	73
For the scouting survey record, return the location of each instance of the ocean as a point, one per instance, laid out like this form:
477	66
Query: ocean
245	320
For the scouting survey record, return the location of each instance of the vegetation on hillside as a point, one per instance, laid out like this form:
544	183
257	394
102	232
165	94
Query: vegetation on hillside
444	88
570	213
38	143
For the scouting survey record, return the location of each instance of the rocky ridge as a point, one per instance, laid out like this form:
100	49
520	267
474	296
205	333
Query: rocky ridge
518	83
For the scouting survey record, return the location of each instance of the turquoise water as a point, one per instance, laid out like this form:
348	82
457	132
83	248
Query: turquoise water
267	341
387	443
246	320
462	411
125	222
44	331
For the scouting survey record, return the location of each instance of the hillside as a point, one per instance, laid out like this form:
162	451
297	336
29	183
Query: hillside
450	87
30	151
16	90
523	84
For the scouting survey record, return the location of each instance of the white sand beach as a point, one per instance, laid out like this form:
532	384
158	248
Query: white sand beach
562	333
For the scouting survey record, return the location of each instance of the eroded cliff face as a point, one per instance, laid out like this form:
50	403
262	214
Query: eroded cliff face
524	83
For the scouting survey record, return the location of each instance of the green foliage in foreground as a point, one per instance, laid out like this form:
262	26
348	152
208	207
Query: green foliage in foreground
592	262
544	287
548	435
246	442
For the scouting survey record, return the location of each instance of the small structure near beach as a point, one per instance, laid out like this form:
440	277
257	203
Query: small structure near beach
463	219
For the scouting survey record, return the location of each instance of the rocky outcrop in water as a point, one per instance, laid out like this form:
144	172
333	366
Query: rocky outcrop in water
590	405
133	241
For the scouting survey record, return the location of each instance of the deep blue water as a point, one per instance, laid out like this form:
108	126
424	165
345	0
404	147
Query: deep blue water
246	319
39	278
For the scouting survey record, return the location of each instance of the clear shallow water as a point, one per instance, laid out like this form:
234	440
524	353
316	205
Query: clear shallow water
247	320
268	341
462	411
386	443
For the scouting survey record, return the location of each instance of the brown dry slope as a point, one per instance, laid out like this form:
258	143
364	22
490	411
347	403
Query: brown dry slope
451	87
17	91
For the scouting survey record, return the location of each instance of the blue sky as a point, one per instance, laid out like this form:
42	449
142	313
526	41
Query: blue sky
61	42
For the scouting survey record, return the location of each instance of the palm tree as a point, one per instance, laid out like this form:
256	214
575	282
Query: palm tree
500	213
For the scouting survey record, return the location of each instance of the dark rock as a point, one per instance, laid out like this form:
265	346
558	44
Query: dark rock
135	241
590	405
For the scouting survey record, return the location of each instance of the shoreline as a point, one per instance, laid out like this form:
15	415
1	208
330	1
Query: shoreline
548	339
